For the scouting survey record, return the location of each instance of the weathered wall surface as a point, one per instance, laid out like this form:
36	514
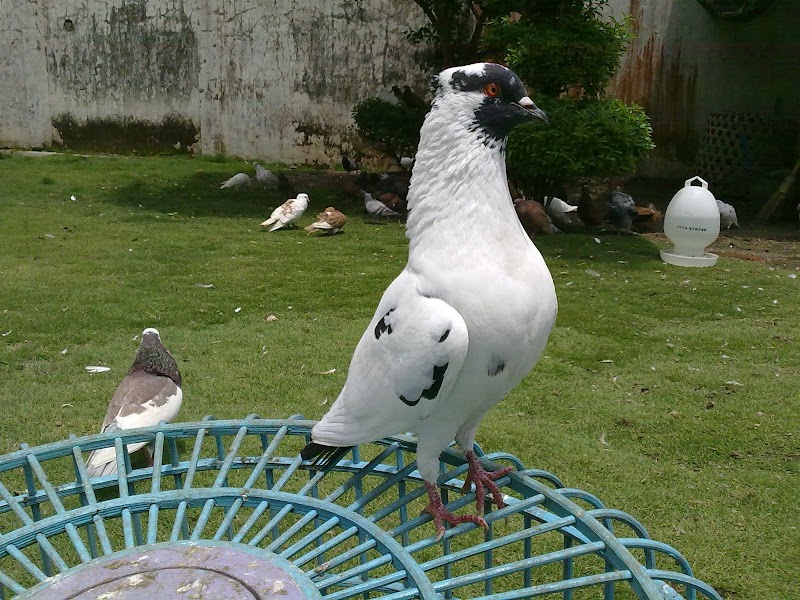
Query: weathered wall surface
274	80
685	65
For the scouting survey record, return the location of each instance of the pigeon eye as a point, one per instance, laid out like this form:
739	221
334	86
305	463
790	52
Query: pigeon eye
492	90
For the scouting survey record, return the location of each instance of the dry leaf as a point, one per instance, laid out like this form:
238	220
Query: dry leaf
328	372
270	318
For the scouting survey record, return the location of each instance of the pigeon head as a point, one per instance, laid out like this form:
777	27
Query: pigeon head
488	98
152	357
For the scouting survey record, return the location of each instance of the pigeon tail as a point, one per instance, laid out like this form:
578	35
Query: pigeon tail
324	456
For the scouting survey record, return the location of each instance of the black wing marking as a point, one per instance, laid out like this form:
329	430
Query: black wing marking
431	392
382	326
496	366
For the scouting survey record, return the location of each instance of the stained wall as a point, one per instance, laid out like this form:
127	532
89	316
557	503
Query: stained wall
685	65
275	80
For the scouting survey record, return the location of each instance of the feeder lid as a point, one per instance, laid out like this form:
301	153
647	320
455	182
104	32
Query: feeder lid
681	260
196	569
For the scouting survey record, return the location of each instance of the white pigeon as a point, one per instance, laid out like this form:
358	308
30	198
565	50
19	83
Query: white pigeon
376	208
236	181
727	215
562	214
149	393
556	207
264	177
470	314
406	162
287	213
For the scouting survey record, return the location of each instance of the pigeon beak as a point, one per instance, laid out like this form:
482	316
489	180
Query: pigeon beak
532	109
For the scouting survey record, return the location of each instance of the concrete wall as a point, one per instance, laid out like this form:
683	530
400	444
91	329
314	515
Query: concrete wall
685	65
271	79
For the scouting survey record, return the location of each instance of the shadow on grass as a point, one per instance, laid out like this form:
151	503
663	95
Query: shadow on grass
199	195
613	248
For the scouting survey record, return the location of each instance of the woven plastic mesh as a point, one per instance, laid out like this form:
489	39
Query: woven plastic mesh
355	532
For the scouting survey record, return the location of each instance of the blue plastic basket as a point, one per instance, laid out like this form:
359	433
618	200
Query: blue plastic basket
232	501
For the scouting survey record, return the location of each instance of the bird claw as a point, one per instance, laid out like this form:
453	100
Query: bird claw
439	514
483	480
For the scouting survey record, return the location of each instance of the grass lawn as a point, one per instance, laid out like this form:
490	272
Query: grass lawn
670	393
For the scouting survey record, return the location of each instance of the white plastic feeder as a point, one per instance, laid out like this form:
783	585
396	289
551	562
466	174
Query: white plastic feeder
691	223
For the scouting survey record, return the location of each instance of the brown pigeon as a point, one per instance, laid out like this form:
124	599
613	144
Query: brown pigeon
533	217
329	222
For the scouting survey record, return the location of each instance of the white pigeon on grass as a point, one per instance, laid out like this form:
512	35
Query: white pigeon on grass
376	208
470	314
236	181
149	393
264	177
727	215
287	213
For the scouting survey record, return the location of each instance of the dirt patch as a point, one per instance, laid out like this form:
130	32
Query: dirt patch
777	245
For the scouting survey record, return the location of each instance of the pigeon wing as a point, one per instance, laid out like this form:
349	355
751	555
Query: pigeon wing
403	368
141	400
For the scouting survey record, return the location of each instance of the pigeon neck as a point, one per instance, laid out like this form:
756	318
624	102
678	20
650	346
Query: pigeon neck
459	190
156	361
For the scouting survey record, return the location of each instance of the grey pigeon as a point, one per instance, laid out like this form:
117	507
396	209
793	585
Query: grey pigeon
470	314
622	209
236	181
727	215
264	177
149	393
376	208
350	165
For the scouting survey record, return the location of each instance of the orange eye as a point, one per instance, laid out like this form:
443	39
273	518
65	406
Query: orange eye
491	89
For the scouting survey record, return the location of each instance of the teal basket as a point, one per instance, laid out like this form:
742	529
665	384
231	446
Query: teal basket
228	510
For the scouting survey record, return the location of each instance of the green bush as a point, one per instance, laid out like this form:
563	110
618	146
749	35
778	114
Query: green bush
393	129
552	56
589	137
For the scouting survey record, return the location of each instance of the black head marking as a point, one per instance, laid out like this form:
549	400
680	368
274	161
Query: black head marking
511	88
497	115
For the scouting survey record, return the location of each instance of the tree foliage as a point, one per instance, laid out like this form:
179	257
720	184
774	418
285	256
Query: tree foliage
566	52
392	128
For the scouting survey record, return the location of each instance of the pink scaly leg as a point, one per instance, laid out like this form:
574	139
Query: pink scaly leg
440	514
483	480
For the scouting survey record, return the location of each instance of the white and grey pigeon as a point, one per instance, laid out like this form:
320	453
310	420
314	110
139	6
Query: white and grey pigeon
287	213
376	208
727	215
236	181
149	393
470	314
622	210
264	176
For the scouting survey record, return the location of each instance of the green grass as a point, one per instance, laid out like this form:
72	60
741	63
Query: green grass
669	393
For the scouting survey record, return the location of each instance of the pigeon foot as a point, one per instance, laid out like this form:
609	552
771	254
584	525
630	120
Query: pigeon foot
483	480
440	514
